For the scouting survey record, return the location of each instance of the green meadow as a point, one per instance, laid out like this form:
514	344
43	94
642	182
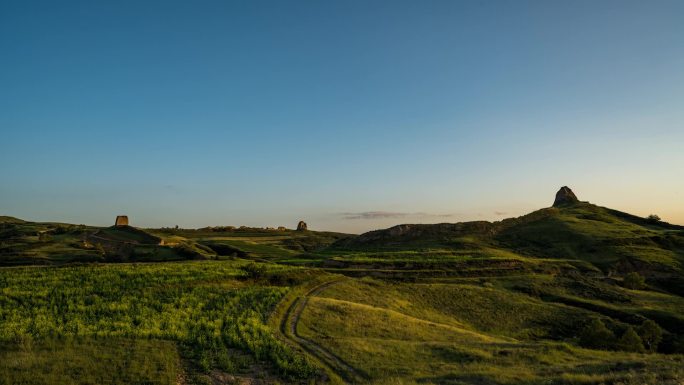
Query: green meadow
206	309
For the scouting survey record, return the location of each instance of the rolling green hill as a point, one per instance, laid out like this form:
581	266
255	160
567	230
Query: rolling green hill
567	295
608	240
38	243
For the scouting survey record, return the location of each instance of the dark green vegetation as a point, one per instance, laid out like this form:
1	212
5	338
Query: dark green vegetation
89	361
572	294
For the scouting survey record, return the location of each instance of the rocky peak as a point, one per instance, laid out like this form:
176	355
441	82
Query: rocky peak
565	196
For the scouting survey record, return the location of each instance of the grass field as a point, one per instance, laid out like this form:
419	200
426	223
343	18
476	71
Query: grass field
577	294
89	361
205	308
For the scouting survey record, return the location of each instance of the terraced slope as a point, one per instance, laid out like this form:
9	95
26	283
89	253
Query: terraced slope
467	332
579	236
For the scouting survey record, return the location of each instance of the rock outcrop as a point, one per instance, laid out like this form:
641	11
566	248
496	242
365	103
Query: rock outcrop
121	220
301	226
565	196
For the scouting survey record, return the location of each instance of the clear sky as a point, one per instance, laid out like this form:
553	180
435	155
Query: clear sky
351	115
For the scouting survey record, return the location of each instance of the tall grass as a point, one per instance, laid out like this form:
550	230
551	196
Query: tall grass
206	307
68	361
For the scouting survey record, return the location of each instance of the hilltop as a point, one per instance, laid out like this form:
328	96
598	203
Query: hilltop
570	229
569	236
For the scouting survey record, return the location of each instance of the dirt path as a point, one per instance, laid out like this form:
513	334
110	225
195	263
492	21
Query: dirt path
289	328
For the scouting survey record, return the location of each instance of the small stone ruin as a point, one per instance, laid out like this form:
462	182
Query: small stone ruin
565	196
121	220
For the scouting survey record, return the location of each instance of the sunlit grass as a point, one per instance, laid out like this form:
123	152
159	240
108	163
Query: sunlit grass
206	307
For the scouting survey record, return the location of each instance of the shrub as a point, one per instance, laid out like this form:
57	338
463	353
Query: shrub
651	334
653	218
678	344
254	271
62	229
597	336
634	280
630	341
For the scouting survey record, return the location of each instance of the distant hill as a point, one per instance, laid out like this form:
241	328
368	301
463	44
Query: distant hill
610	240
7	219
126	234
37	243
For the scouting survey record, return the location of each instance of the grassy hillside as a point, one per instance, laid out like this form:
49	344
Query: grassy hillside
24	243
509	302
604	237
265	244
473	332
570	231
582	235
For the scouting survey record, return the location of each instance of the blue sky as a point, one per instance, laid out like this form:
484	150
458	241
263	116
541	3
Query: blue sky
351	115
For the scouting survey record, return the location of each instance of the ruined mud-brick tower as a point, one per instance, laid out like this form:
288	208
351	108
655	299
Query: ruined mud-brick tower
121	220
301	226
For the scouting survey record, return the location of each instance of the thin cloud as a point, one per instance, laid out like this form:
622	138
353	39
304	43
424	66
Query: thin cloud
171	187
389	214
500	213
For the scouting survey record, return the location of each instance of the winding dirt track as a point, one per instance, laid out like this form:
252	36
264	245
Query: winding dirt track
288	327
